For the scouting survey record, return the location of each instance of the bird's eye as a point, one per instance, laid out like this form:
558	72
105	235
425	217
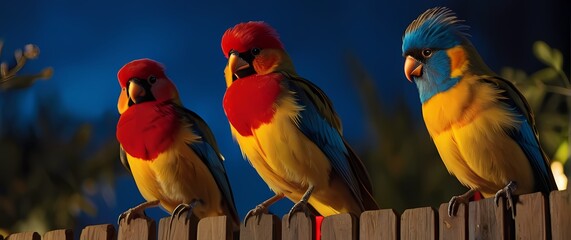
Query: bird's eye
152	79
255	51
427	53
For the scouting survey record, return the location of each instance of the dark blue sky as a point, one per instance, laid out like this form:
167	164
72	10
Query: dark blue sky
86	42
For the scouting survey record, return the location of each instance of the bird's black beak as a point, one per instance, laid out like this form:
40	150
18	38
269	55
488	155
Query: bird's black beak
139	91
239	67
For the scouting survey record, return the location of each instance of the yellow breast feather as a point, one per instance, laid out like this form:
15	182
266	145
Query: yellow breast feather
467	124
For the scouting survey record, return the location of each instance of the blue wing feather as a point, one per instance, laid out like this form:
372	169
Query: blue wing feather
525	135
314	125
207	150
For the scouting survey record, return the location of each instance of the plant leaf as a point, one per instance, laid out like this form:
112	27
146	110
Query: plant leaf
545	75
543	52
562	152
557	59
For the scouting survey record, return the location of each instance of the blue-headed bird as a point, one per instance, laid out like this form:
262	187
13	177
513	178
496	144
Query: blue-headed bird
481	124
286	127
170	150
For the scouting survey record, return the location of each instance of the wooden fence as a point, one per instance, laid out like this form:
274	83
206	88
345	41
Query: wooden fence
536	218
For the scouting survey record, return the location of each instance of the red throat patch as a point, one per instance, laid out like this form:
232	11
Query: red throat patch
249	102
147	129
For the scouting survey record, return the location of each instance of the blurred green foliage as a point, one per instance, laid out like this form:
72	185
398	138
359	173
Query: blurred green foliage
548	92
50	165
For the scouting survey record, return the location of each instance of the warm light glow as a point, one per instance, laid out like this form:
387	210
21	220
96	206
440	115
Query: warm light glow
559	175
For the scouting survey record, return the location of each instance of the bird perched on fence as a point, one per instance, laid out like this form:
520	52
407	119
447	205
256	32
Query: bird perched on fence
481	124
170	151
286	127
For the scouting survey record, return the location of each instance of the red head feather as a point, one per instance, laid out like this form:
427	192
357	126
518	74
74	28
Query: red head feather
245	36
140	68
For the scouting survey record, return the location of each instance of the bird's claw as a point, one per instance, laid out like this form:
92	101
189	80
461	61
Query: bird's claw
137	211
258	210
454	204
299	206
180	209
507	192
183	207
130	214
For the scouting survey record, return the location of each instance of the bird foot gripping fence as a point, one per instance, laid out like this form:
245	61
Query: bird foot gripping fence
537	217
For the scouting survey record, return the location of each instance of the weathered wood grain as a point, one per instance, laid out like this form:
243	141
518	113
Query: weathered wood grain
419	223
215	228
340	226
488	221
61	234
560	210
138	228
300	227
262	227
379	224
98	232
24	236
530	219
453	227
179	229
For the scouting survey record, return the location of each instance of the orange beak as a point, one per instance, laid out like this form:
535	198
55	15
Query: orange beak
412	67
123	102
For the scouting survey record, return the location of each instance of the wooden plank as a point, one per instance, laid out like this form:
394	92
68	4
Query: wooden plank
61	234
215	228
454	227
379	224
560	209
418	223
530	218
488	221
138	228
262	227
24	236
98	232
340	226
180	228
300	227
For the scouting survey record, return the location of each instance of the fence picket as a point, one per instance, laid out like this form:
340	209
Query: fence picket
262	227
340	226
560	209
487	221
24	236
61	234
98	232
138	228
530	219
180	228
300	227
537	217
454	227
419	223
379	224
215	228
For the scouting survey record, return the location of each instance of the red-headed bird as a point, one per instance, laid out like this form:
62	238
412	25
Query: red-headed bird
481	124
169	150
286	127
